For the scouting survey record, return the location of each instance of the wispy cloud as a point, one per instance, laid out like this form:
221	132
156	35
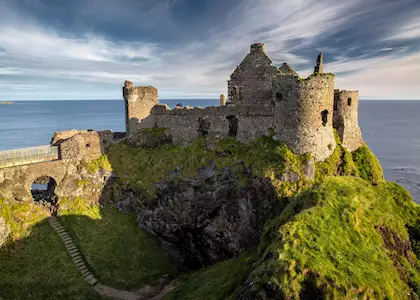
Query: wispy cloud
293	31
9	71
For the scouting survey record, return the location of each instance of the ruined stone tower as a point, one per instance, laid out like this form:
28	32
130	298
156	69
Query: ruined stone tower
139	101
251	82
303	115
346	108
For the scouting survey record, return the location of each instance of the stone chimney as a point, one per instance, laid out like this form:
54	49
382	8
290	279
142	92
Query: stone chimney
319	64
222	100
258	47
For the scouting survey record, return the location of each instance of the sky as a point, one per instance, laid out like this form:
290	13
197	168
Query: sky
85	49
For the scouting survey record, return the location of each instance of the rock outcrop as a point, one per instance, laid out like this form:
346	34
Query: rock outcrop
209	218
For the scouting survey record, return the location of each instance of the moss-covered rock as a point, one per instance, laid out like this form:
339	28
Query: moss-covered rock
345	239
141	168
368	165
21	216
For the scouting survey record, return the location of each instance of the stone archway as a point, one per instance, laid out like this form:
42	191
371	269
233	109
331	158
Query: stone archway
43	189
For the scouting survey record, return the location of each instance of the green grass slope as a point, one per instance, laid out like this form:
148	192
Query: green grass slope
345	239
216	282
38	267
120	253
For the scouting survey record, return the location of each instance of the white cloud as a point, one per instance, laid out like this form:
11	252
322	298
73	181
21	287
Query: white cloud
9	71
410	29
201	68
31	41
386	77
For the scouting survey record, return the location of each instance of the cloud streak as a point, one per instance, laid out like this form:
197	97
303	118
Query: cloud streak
196	63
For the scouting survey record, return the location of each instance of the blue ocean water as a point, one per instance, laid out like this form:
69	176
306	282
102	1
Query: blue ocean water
391	128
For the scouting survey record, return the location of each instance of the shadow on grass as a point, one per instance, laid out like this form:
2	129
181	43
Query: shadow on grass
117	250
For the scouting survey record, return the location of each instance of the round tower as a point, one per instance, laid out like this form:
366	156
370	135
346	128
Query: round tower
139	100
346	119
304	113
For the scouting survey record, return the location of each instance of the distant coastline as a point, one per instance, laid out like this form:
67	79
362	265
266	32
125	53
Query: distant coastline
6	102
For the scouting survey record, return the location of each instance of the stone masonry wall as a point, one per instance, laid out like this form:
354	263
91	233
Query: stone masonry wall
304	112
68	172
139	100
186	125
346	108
251	82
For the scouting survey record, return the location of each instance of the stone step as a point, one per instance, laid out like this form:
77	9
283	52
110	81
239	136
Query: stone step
88	277
59	229
71	248
85	272
68	242
77	259
74	252
81	264
93	281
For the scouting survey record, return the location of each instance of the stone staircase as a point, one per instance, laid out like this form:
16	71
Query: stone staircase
73	251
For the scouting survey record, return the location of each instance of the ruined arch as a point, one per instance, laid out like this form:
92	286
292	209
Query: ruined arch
43	189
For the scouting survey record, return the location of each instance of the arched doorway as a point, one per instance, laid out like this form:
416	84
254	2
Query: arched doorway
43	190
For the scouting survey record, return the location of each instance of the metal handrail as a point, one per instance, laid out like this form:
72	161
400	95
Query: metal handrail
18	157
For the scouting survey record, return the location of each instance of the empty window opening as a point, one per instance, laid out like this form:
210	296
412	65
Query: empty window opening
88	145
349	101
279	97
324	116
43	189
204	126
233	125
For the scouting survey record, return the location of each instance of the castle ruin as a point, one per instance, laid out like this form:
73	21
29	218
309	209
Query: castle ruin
262	100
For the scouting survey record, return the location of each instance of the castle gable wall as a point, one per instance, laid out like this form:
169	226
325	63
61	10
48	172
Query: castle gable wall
251	82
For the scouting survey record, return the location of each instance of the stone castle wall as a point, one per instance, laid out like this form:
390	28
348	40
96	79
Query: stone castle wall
186	125
77	150
304	113
346	119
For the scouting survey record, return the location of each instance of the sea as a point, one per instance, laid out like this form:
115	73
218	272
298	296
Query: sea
390	128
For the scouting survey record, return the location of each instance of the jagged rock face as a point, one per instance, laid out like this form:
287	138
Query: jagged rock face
4	231
209	218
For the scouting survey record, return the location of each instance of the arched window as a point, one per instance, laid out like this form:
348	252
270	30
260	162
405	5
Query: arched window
349	101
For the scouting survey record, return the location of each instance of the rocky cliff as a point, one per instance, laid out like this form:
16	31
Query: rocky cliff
333	229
